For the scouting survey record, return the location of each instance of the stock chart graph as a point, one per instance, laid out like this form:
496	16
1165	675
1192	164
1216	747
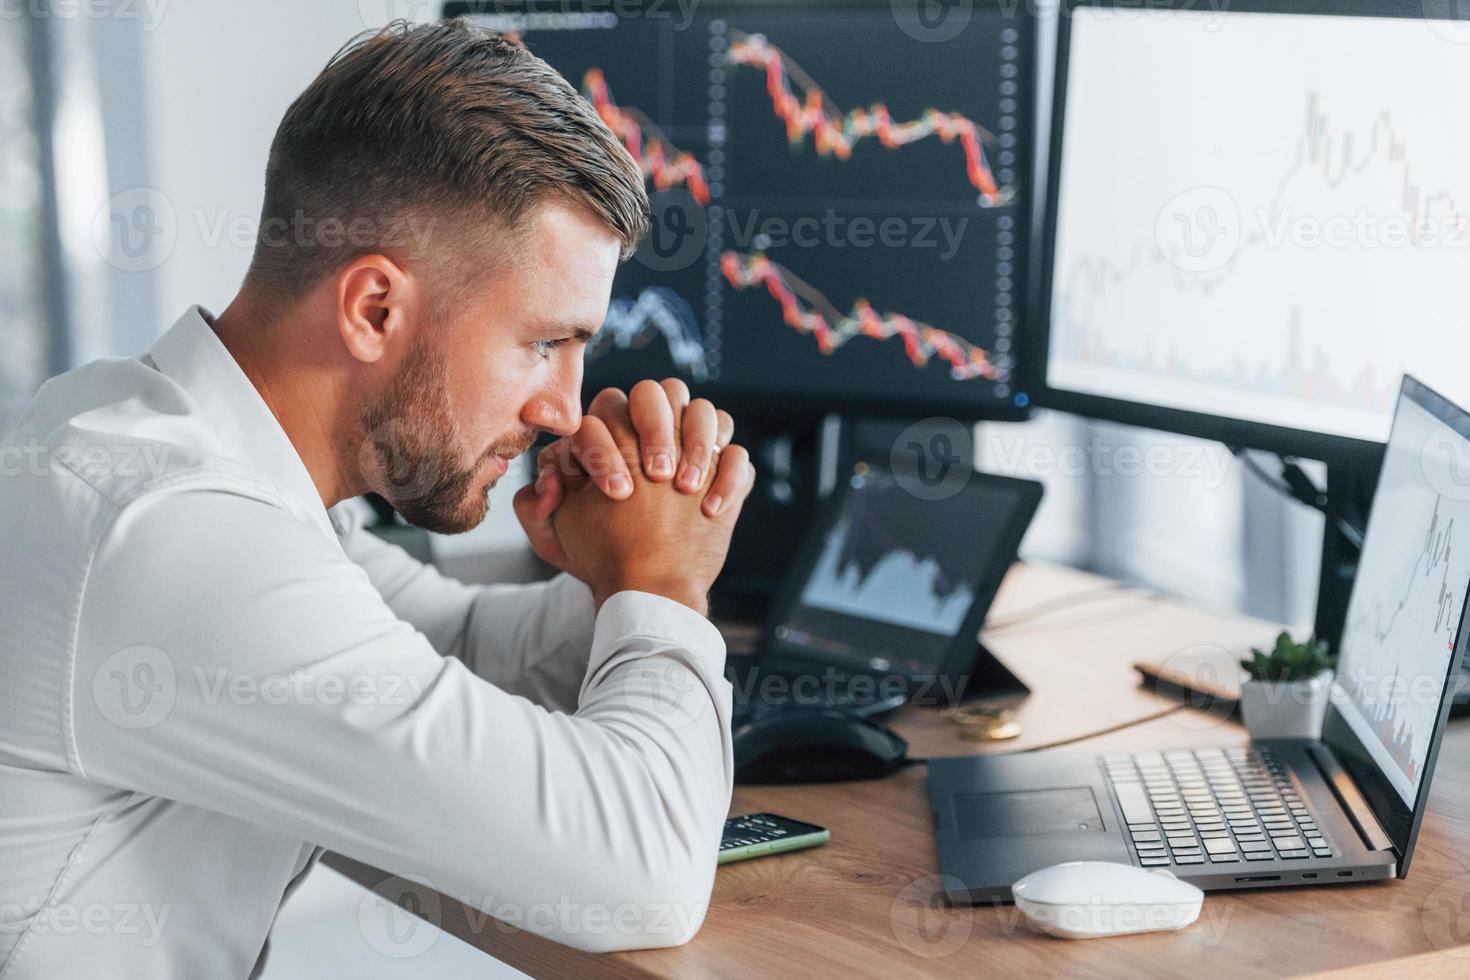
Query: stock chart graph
864	572
835	133
836	204
1404	615
1296	244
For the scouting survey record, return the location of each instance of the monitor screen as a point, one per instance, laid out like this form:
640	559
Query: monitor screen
837	191
1403	619
896	576
1259	217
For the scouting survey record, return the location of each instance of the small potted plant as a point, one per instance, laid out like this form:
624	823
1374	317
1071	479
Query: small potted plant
1288	690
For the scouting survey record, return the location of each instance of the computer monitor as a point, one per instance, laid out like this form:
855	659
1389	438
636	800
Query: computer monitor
839	195
1257	221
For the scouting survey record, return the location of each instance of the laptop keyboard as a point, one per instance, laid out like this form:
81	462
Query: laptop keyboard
1212	806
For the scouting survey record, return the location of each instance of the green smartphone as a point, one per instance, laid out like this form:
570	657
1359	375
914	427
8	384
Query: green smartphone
759	834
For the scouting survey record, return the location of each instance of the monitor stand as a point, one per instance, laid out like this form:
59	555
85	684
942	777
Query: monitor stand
788	452
1350	496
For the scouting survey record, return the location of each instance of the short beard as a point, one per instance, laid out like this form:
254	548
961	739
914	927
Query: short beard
409	447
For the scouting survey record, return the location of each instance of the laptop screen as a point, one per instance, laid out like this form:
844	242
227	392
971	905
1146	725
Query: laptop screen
1400	644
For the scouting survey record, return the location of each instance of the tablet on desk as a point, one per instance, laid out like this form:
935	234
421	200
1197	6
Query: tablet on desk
895	579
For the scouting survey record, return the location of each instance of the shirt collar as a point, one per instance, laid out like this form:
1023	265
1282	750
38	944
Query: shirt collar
193	356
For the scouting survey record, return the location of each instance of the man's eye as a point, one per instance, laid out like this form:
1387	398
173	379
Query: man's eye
546	347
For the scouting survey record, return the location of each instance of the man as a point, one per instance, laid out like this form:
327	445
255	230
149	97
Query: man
208	672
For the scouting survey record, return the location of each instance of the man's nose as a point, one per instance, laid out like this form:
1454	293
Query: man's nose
558	408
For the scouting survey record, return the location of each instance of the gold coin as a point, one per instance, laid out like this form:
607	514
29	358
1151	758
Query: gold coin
977	715
993	733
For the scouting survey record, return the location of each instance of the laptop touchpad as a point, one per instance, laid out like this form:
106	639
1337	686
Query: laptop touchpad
1026	813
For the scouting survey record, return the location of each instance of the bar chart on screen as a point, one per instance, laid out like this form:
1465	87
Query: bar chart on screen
863	571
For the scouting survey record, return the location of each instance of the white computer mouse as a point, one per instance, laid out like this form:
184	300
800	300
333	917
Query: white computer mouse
1091	899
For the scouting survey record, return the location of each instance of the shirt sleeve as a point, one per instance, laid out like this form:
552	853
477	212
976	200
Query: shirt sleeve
530	640
231	657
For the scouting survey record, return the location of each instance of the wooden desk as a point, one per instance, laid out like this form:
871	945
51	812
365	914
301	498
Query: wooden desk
868	903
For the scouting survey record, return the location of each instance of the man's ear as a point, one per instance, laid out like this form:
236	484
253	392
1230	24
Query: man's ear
377	306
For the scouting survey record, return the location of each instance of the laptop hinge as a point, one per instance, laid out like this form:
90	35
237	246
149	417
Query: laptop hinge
1352	801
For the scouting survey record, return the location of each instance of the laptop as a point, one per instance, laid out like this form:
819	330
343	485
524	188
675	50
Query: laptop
885	598
1343	808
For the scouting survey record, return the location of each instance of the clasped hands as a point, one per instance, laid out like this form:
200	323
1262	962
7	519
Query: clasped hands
644	495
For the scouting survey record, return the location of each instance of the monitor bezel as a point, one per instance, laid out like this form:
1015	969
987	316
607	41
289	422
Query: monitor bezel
953	668
1343	450
1025	373
1399	820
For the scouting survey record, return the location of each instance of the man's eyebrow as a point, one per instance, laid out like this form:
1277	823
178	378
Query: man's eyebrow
574	330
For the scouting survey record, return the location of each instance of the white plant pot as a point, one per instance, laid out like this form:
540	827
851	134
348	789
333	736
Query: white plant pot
1285	709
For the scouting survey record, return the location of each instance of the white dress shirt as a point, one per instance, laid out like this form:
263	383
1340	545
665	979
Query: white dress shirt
205	677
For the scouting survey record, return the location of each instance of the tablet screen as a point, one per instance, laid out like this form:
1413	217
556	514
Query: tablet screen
895	579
